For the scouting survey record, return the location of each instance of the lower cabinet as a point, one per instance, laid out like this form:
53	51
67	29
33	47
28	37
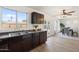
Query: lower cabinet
15	44
4	45
43	37
20	43
35	39
23	43
27	42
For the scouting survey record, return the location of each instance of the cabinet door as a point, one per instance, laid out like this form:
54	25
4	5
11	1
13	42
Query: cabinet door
43	37
38	19
35	39
41	19
34	18
15	44
4	45
27	42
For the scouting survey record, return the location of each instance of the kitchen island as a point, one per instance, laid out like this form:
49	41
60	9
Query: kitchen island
21	41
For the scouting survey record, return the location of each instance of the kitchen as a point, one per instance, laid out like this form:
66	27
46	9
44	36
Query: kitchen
16	35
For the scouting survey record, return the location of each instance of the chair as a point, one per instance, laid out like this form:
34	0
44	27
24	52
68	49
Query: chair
75	34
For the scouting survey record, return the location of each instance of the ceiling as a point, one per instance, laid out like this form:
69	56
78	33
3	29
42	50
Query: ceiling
54	10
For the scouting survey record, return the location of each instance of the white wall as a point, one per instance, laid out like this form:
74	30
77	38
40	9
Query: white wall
72	21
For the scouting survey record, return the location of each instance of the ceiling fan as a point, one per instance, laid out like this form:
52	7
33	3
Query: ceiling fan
67	13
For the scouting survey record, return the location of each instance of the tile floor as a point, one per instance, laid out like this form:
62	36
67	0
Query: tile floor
57	44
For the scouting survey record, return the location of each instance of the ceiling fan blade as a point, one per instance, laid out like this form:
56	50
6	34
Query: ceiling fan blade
71	12
67	14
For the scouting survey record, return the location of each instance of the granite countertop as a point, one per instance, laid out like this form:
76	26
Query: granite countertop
4	35
12	34
35	31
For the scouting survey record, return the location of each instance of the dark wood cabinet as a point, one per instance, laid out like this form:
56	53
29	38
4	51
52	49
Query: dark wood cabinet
37	18
35	39
20	43
39	38
15	44
4	45
24	42
34	17
27	42
43	37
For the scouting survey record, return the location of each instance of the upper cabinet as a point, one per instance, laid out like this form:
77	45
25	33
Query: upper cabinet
37	18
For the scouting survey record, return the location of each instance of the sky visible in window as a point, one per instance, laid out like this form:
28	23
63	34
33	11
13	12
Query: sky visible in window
9	16
21	17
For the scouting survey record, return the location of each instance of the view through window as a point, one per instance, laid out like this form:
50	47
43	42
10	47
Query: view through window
12	20
0	19
21	20
8	19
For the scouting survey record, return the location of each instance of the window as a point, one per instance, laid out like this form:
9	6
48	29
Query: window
0	19
8	19
12	20
21	20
